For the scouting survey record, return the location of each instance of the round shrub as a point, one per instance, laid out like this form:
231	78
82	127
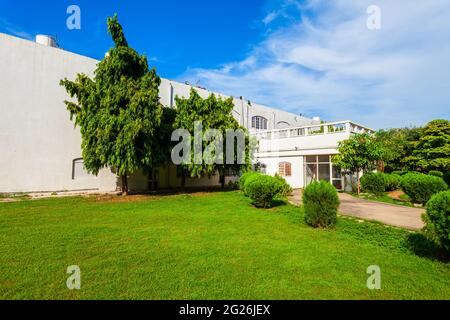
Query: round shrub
421	187
399	172
321	203
245	177
262	189
437	219
392	182
286	189
436	173
447	178
373	183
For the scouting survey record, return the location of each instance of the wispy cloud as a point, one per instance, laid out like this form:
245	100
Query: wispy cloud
14	29
326	62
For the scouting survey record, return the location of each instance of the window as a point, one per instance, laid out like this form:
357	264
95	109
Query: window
78	170
284	169
259	123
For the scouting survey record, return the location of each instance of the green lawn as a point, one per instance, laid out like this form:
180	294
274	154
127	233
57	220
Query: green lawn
203	246
386	199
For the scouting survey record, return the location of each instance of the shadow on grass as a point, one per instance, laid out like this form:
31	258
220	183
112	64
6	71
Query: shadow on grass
278	203
420	245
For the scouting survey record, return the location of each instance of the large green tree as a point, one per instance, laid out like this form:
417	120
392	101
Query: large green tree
397	144
213	113
118	110
432	150
358	153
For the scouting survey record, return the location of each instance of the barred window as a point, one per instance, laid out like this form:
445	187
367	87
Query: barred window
259	123
284	169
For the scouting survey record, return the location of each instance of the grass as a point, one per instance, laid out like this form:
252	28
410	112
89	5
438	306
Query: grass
386	199
204	246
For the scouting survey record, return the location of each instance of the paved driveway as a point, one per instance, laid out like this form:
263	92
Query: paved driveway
391	214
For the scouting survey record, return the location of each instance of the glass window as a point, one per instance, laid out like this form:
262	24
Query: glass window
324	172
337	173
311	173
325	159
320	168
311	159
259	123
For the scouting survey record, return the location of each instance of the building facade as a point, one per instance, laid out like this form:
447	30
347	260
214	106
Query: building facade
41	148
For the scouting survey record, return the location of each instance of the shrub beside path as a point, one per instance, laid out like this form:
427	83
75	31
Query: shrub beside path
391	214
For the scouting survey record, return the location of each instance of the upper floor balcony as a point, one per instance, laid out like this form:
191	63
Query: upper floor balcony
318	136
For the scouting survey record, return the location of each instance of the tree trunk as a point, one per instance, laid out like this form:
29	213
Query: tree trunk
124	179
359	183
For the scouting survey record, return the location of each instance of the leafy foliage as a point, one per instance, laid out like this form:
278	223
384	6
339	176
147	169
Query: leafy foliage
436	173
437	219
244	178
392	181
358	153
262	189
432	150
286	189
214	113
397	144
421	187
374	183
118	111
321	203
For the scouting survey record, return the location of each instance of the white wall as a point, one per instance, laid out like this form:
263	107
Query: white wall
38	142
296	179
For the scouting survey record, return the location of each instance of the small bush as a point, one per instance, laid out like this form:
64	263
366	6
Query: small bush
244	178
447	178
421	187
286	189
436	173
262	189
321	203
392	182
374	183
437	219
399	172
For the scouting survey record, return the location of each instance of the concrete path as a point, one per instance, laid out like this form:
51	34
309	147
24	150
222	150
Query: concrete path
391	214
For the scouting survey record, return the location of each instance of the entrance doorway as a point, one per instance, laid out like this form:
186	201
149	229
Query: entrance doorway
319	167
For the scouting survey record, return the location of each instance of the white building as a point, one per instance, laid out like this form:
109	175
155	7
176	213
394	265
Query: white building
40	150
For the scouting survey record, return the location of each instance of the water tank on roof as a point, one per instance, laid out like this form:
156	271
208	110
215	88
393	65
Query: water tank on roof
45	40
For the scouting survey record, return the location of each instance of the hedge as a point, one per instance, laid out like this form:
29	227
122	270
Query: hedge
437	219
421	187
321	203
262	189
374	183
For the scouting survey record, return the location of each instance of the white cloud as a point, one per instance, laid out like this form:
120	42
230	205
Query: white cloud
270	17
329	64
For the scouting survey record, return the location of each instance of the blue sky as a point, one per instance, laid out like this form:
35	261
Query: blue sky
315	57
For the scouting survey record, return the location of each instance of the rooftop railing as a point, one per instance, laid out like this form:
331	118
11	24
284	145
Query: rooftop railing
312	130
